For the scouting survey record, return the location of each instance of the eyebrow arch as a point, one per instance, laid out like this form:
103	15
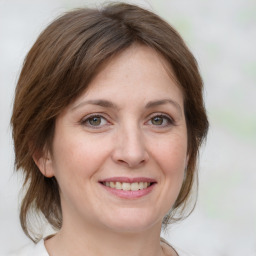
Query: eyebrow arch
109	104
102	103
152	104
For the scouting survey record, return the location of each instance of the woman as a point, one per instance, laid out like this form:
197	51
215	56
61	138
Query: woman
107	122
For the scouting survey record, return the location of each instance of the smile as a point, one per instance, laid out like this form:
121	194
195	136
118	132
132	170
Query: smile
135	186
128	188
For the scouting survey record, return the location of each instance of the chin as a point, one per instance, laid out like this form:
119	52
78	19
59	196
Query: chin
133	222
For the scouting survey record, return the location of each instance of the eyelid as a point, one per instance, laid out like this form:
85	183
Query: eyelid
171	121
85	119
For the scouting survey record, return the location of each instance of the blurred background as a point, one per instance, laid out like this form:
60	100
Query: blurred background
222	36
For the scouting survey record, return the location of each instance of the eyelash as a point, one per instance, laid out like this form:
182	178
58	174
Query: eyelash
167	120
85	121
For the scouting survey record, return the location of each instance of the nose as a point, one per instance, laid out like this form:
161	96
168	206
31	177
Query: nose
130	149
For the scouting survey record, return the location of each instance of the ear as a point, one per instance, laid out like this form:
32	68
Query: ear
44	163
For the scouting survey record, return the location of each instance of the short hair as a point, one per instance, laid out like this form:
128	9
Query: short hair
58	68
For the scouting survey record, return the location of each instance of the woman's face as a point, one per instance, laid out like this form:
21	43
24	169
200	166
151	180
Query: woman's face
120	150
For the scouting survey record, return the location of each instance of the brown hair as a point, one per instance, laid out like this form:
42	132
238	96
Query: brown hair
59	67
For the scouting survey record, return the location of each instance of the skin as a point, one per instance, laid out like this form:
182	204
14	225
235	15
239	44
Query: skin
140	132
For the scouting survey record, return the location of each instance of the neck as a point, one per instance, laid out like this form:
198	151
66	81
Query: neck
94	241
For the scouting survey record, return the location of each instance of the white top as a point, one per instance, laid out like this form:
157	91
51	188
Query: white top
31	250
40	250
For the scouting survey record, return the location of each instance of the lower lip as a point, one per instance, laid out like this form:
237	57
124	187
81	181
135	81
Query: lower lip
129	194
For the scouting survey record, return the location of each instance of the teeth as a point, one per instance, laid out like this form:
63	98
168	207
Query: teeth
118	185
135	186
141	186
127	186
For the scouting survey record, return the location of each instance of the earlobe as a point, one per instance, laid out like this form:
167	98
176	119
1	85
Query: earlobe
44	164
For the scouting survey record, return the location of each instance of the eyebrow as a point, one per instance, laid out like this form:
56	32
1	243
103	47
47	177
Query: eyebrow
152	104
109	104
102	103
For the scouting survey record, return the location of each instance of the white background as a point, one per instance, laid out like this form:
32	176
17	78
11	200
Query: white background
222	35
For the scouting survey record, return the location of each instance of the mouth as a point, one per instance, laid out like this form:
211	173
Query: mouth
134	186
128	187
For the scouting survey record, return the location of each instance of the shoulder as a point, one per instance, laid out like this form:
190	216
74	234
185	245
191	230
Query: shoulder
167	248
31	250
170	251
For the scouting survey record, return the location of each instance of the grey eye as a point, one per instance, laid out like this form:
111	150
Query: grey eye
157	120
95	120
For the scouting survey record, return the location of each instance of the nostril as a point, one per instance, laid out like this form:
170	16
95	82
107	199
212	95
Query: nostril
130	154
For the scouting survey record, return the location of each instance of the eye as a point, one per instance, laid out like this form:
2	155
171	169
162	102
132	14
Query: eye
157	120
94	121
161	120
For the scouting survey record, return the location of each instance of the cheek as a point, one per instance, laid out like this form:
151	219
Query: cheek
170	154
77	156
74	165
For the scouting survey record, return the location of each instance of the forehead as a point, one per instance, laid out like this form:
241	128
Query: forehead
143	57
137	70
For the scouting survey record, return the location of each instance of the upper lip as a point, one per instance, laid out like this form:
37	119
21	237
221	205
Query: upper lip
128	179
